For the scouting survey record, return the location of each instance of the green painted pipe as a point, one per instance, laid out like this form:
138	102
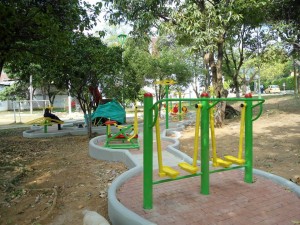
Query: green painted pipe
205	146
248	142
148	152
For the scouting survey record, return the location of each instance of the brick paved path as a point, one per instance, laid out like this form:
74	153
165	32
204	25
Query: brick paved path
231	201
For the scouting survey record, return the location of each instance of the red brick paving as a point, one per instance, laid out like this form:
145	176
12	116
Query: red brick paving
231	201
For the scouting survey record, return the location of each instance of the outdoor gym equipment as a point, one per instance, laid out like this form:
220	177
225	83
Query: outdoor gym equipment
166	83
45	122
184	165
125	138
178	116
239	160
228	159
163	170
206	103
169	171
216	161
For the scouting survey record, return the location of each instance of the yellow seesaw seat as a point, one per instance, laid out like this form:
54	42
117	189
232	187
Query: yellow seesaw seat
44	121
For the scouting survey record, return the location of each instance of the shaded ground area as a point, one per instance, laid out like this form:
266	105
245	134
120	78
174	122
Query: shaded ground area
51	180
276	138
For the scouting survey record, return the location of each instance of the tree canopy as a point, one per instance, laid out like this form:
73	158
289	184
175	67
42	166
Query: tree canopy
31	26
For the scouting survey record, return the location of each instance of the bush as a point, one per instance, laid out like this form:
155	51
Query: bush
289	83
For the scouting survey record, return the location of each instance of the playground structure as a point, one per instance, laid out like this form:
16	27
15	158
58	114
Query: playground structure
178	113
45	122
204	120
166	83
125	138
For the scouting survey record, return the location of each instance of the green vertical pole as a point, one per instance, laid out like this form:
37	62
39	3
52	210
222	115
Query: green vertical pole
180	111
248	141
167	107
205	145
45	128
148	151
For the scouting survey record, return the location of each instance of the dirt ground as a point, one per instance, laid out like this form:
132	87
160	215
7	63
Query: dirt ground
50	181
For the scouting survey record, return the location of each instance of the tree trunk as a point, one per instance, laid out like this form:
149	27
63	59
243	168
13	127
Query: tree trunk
216	69
1	65
236	84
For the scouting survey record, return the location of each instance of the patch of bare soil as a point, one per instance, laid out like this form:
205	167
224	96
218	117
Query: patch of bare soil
276	137
51	180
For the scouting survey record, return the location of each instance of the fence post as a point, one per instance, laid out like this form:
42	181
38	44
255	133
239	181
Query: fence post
148	152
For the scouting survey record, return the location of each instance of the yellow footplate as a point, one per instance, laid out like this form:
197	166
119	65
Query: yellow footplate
170	172
223	163
189	168
234	159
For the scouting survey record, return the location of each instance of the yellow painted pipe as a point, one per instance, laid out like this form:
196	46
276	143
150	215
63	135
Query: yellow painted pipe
196	142
135	125
213	138
158	143
242	131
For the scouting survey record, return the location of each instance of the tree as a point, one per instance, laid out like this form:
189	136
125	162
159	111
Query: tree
44	76
204	25
285	18
13	92
30	26
125	85
95	63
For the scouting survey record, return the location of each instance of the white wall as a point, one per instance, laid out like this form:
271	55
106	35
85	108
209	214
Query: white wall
3	106
60	101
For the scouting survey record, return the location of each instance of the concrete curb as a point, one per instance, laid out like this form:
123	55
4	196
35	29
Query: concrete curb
118	213
67	130
279	180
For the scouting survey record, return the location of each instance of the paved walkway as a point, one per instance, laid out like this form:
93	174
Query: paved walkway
231	201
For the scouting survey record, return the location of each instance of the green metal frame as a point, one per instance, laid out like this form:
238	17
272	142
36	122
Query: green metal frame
46	124
149	107
114	141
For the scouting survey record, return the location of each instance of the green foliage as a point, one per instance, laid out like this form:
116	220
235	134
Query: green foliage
272	71
288	81
88	62
13	92
33	26
44	75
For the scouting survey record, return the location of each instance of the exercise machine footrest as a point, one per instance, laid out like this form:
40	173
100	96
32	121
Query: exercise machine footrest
189	168
235	160
221	162
168	171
